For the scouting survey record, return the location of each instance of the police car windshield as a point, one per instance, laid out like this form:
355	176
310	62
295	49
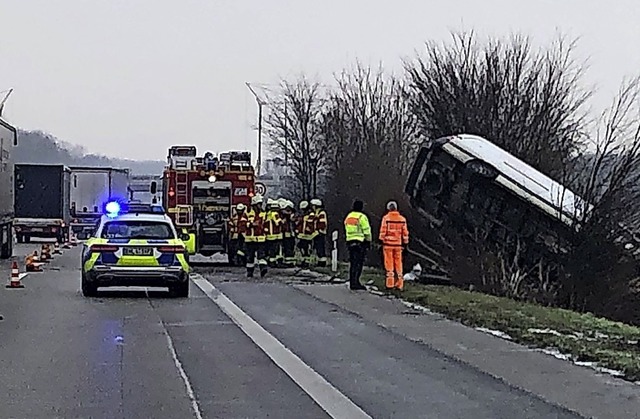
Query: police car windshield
137	230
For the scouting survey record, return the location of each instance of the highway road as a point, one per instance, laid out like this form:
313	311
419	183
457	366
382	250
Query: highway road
234	349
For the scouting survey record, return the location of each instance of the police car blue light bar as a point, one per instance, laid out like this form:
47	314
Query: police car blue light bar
112	209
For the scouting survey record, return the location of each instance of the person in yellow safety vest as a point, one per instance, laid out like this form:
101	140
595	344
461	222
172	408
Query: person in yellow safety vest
272	231
320	231
288	233
254	238
358	237
237	227
304	231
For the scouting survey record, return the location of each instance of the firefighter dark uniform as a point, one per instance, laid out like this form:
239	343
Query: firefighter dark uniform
272	232
304	230
288	233
237	227
319	231
255	239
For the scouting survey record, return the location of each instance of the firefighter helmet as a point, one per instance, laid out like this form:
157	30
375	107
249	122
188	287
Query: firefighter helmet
316	202
282	203
304	205
241	207
256	200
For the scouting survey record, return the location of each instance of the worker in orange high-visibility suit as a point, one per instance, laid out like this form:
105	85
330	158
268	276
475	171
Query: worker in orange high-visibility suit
394	236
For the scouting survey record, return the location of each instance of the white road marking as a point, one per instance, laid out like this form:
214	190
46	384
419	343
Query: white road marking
190	393
22	275
329	398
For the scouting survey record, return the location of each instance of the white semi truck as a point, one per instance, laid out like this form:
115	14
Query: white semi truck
91	188
8	139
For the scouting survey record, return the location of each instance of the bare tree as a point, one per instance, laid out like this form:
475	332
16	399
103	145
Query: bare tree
527	102
370	134
293	124
603	264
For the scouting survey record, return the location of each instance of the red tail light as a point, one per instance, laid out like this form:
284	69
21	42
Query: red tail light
171	249
103	248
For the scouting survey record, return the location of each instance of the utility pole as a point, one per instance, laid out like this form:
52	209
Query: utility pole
260	103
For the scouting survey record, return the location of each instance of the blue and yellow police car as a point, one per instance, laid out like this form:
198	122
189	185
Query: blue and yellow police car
135	245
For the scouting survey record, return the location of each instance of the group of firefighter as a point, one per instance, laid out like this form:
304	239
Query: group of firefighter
270	233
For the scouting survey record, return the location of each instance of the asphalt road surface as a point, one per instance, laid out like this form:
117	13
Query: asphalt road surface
234	349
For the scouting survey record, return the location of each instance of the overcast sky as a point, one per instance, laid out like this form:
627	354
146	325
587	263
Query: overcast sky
130	78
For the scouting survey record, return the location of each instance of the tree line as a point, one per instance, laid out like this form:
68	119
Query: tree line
358	138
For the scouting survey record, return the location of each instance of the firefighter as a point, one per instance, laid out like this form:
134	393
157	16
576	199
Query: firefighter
233	226
319	231
272	231
242	230
288	233
255	238
394	236
304	231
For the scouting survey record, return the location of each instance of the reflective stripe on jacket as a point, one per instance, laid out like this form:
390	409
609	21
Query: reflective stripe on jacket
306	227
393	229
321	221
272	226
357	227
255	226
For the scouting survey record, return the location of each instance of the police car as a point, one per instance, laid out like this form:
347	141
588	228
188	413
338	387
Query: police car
135	245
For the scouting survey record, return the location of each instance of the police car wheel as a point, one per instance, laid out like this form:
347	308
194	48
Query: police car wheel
89	289
180	290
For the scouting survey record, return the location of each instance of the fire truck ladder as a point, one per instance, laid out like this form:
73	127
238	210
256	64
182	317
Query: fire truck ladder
182	188
184	215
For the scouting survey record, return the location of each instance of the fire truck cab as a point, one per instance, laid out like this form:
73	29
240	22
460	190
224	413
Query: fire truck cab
200	194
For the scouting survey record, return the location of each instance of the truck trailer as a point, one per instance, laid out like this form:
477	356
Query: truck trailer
8	140
91	188
42	194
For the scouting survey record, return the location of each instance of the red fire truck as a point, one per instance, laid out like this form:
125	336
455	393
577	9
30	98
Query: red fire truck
199	194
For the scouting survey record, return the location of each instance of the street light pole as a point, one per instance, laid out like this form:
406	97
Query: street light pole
260	103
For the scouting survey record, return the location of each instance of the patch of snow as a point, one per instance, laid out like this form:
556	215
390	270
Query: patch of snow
556	353
601	336
632	342
496	333
595	366
423	309
545	331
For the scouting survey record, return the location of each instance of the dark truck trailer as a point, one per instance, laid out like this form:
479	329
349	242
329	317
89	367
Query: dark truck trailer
8	139
42	201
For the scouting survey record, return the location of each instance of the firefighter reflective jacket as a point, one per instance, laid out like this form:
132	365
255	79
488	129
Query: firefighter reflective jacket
255	226
288	229
237	225
357	227
321	221
393	229
272	226
306	228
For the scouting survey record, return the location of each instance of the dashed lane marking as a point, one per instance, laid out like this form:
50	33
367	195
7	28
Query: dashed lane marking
329	398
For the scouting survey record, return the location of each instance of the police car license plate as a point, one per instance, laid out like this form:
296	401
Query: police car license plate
137	251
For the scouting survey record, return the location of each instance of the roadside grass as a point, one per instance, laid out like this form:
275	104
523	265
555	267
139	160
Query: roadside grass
586	338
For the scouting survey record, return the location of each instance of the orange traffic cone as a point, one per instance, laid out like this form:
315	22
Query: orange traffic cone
14	281
56	249
45	256
32	263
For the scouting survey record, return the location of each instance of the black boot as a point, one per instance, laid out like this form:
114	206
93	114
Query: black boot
263	271
250	272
